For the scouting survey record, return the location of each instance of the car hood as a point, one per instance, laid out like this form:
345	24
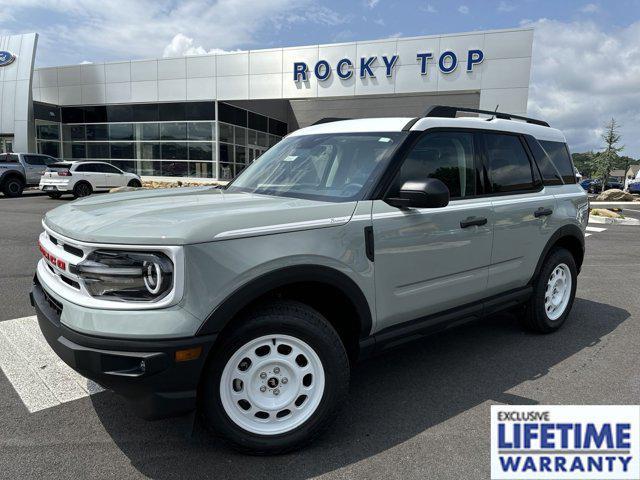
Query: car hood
189	215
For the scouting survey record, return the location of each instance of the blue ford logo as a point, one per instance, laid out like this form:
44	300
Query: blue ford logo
6	58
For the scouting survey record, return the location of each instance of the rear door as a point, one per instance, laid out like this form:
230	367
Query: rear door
34	167
428	260
522	209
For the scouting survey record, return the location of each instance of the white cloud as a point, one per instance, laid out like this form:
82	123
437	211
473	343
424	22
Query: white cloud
590	8
372	3
379	21
463	9
506	7
582	76
181	45
123	29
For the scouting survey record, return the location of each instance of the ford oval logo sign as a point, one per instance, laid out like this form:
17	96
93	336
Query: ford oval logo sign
6	58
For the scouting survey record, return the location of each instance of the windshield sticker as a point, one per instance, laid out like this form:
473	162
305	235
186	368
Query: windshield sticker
384	139
289	158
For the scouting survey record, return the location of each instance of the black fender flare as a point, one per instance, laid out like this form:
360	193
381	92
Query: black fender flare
257	287
567	231
12	173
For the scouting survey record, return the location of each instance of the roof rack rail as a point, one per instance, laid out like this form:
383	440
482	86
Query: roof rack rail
329	120
446	111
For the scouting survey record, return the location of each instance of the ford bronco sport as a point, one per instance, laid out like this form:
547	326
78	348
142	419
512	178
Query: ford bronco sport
250	303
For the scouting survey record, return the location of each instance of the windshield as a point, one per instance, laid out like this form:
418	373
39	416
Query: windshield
333	167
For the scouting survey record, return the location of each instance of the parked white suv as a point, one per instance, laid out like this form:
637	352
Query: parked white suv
84	178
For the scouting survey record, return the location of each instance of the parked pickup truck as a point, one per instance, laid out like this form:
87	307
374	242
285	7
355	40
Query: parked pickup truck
20	170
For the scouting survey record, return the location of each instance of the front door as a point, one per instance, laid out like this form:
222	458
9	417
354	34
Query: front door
34	167
431	260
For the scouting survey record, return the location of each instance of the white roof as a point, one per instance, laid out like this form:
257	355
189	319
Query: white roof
396	124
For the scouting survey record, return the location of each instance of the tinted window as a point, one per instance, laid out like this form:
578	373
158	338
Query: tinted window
34	159
85	167
550	174
230	114
447	156
559	155
258	122
200	131
171	111
98	150
119	113
106	168
122	150
121	131
97	114
97	132
200	111
145	113
173	131
509	166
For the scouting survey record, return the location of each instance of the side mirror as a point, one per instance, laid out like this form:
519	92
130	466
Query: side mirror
429	193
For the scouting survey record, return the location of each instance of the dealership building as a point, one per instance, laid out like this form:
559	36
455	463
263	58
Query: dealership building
209	116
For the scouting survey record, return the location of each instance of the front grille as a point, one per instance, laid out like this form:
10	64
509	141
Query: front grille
73	250
53	240
70	282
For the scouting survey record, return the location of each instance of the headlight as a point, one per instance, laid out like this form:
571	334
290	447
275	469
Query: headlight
127	276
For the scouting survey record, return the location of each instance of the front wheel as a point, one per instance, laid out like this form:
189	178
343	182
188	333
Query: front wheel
134	183
553	292
54	195
276	381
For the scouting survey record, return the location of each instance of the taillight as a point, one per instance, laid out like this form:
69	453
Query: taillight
64	173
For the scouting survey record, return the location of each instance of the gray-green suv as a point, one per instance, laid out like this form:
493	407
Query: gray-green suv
250	303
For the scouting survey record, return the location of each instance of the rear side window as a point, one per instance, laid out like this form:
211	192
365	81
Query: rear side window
509	166
447	156
85	167
550	174
559	154
34	159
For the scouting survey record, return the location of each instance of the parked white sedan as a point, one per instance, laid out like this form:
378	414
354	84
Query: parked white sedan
84	178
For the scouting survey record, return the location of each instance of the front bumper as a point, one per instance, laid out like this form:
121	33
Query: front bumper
144	372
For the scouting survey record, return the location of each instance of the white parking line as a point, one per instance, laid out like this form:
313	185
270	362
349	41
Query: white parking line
595	229
38	375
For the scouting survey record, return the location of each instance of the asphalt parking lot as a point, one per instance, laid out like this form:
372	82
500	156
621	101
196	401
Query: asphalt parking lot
420	411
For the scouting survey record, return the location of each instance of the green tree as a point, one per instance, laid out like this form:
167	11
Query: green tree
607	160
584	162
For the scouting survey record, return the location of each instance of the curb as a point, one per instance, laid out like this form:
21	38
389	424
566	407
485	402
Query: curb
616	221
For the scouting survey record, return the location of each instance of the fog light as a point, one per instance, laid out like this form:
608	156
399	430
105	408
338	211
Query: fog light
188	354
143	366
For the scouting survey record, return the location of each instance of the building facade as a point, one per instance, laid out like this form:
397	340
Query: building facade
209	116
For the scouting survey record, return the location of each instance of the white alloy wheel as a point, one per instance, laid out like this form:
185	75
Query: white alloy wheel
558	291
272	384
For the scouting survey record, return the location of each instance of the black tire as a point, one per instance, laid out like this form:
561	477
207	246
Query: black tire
535	317
82	189
278	318
134	183
12	187
54	195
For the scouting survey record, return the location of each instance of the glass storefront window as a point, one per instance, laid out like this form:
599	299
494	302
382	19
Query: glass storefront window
201	169
227	171
175	169
150	168
150	131
262	139
73	132
48	131
49	148
97	132
126	166
226	153
121	131
173	151
173	131
78	150
150	151
241	155
200	131
241	136
253	137
122	150
225	132
200	151
97	150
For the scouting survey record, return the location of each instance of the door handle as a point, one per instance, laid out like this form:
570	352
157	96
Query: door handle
542	212
471	221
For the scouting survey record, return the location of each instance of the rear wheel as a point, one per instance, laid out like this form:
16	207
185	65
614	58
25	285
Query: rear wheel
82	189
553	293
13	187
276	381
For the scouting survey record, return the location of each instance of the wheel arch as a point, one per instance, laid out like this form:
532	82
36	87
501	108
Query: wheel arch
11	174
309	284
570	237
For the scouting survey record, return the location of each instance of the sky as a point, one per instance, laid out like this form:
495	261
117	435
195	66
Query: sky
585	66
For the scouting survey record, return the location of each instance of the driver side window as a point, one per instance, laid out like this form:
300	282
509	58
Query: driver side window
447	156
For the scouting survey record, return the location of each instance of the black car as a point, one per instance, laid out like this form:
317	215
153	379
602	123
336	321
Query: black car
596	186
